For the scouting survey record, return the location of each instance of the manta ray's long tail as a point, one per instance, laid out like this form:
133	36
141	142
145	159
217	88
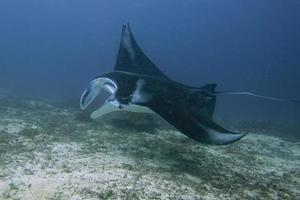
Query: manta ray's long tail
258	96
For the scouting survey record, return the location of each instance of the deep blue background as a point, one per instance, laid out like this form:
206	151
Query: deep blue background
51	49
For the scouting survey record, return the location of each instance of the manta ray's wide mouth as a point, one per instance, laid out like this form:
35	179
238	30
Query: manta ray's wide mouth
94	88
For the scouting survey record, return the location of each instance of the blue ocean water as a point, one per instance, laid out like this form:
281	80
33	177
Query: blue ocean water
51	49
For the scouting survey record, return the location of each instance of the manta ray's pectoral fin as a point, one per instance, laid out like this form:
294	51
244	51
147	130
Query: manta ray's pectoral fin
223	138
192	117
131	57
215	134
207	131
201	106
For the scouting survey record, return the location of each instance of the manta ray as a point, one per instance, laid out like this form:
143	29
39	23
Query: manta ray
137	85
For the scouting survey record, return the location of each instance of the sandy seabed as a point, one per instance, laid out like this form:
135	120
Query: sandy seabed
48	152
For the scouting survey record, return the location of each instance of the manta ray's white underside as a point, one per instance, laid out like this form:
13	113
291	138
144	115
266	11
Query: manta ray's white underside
113	106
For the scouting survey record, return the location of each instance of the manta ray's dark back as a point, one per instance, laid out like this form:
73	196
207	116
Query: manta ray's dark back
131	58
137	85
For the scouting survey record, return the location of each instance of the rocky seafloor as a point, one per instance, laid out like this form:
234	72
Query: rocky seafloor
49	152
